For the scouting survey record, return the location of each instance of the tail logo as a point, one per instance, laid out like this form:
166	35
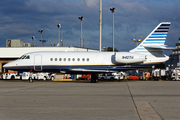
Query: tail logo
156	38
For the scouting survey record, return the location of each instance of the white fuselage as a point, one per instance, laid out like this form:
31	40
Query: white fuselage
69	62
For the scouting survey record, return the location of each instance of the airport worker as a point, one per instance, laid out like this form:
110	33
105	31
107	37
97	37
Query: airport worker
147	75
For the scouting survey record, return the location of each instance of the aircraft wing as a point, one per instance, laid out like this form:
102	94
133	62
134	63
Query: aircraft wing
159	47
90	70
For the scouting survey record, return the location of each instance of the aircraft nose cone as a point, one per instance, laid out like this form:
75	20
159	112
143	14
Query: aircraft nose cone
5	66
9	66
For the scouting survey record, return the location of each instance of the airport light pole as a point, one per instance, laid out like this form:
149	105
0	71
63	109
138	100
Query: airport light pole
51	42
41	31
139	40
43	41
81	19
113	10
33	40
59	26
100	27
62	41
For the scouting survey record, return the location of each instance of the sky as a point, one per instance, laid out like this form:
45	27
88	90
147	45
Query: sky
133	19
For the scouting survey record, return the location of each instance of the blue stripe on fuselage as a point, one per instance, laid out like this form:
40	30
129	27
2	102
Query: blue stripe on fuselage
57	69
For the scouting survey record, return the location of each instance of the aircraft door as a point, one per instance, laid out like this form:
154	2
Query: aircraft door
38	62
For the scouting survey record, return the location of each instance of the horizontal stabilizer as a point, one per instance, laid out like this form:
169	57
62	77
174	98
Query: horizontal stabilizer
159	47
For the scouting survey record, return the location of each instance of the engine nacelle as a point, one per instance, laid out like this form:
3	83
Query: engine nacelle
127	57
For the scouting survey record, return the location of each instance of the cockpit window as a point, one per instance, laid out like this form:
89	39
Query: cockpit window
27	57
21	57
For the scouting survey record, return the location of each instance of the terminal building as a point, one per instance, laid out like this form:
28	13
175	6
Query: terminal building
16	48
174	58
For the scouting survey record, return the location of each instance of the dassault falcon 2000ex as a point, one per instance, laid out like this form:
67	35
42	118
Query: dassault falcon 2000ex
147	53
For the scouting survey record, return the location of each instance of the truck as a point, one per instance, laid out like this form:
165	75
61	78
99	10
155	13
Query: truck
112	76
159	74
37	76
12	75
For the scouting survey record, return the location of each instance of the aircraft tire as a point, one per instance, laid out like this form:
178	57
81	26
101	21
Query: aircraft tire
94	78
93	81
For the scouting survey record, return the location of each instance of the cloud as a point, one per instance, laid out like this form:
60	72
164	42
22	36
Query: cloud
133	19
92	3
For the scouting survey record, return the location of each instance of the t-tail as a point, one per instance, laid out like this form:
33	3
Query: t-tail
154	42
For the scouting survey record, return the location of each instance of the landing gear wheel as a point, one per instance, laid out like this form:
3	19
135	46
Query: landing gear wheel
94	78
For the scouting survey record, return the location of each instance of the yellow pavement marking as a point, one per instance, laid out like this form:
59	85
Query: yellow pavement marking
63	79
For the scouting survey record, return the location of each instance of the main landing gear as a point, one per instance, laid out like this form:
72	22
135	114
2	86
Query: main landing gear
94	78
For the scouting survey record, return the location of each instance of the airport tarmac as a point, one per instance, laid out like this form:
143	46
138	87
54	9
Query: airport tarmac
126	100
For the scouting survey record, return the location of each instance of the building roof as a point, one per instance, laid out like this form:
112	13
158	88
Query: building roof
16	52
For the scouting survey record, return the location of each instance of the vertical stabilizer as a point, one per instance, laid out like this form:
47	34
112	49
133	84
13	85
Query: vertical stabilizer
155	40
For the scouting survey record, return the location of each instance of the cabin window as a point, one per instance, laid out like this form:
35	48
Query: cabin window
69	59
51	59
60	59
87	59
55	59
78	59
83	59
73	59
64	59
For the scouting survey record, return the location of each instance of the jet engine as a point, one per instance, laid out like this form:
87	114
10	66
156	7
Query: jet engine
127	57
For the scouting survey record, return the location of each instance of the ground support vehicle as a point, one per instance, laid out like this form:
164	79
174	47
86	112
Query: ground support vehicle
112	76
134	77
176	74
37	76
159	74
85	77
121	75
12	76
